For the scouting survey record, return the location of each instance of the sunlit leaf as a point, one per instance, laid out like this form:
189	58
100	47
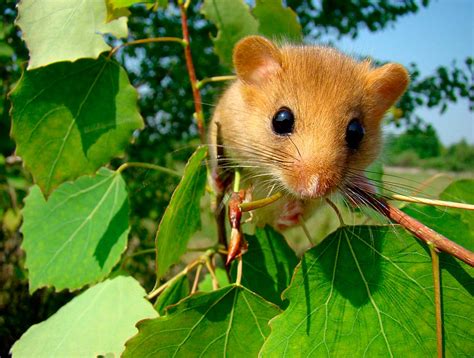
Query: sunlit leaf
461	191
268	265
368	291
97	322
71	118
182	216
65	30
77	236
229	322
447	222
206	284
277	21
175	292
233	21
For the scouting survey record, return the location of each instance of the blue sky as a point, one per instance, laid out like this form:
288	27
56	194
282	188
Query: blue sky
434	36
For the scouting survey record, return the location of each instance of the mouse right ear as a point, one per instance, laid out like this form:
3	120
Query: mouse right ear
255	58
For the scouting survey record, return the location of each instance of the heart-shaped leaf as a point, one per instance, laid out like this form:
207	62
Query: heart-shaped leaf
77	115
97	322
229	322
77	236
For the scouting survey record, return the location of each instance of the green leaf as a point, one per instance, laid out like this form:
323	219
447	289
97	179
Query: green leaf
230	322
65	30
268	265
368	291
461	191
97	322
77	115
446	222
277	21
174	293
233	21
77	236
206	284
182	216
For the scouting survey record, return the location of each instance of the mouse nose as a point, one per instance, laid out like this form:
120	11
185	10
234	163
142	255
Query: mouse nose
314	186
313	180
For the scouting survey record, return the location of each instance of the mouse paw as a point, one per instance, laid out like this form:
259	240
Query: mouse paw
290	216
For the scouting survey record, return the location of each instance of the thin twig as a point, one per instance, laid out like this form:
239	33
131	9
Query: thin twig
147	166
336	210
305	229
206	80
192	74
210	268
145	41
257	204
437	293
199	261
418	229
238	279
196	279
447	204
138	253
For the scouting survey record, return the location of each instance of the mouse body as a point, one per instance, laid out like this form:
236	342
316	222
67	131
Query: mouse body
303	120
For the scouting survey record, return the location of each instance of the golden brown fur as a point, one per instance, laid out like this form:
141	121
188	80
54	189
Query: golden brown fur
325	90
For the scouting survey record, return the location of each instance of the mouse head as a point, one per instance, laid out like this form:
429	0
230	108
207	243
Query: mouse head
310	114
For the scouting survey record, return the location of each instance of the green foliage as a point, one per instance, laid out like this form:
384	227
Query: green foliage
368	291
176	291
182	216
363	290
268	265
423	141
77	236
231	322
77	124
55	31
234	21
97	322
461	191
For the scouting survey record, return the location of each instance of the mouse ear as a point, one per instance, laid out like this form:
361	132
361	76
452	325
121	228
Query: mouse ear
255	58
386	84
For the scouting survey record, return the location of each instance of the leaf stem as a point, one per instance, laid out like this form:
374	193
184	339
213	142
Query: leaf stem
201	260
210	268
336	210
138	253
147	166
448	204
199	115
437	293
196	279
144	41
238	279
305	230
206	80
257	204
236	181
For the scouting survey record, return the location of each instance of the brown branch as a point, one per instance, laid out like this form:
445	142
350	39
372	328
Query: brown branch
145	41
192	74
421	231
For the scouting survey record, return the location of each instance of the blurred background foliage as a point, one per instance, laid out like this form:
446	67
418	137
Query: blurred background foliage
157	70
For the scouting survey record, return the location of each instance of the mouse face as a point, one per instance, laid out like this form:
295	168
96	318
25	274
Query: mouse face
304	119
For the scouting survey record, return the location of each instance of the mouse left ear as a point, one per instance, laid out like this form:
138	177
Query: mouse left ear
386	84
255	58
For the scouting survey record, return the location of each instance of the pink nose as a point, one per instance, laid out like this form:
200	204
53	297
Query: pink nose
315	186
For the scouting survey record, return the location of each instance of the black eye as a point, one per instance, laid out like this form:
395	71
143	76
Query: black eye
283	121
354	134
